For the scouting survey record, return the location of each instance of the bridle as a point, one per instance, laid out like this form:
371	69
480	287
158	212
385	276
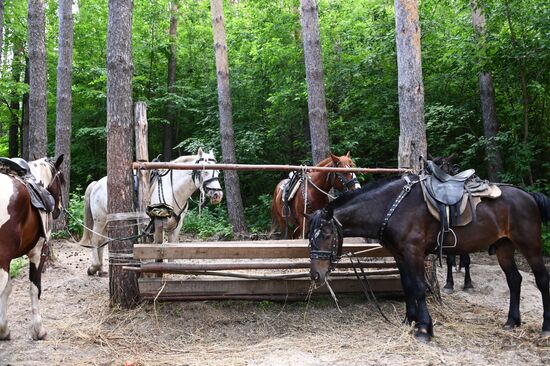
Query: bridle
204	185
346	183
333	255
59	179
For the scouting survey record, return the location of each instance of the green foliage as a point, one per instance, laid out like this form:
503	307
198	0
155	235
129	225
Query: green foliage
212	221
258	216
76	212
16	265
546	240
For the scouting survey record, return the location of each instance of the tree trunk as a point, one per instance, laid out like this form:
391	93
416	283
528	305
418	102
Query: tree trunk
318	118
25	154
38	93
412	140
1	29
173	34
123	287
17	66
487	97
231	178
64	99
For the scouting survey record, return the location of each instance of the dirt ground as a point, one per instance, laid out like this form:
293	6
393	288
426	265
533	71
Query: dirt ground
84	330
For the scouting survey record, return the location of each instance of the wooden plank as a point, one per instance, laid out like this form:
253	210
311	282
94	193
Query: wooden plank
242	250
221	289
175	268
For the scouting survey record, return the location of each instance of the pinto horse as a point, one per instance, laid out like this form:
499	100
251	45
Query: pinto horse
22	231
394	211
318	185
171	187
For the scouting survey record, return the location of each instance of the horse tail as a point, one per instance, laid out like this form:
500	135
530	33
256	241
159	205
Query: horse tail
543	202
88	218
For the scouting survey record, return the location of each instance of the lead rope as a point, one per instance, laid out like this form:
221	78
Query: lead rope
306	180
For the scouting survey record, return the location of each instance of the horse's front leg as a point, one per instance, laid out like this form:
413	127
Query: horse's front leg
408	288
35	276
5	290
450	284
465	263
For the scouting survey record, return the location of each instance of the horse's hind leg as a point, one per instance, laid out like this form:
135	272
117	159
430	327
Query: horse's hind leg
449	284
98	236
505	256
542	279
465	263
35	275
5	290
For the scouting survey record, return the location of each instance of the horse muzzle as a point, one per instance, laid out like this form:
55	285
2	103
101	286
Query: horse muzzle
215	197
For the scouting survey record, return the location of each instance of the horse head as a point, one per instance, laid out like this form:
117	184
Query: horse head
207	181
347	181
50	175
325	244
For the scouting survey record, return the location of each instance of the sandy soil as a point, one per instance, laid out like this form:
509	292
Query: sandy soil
84	330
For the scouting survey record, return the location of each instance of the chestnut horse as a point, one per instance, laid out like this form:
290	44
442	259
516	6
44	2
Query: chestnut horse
22	231
394	211
318	186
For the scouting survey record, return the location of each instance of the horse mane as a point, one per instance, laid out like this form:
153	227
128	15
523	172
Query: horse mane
185	159
328	161
348	196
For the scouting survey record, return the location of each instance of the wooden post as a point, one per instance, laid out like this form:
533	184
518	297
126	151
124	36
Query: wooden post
158	239
142	155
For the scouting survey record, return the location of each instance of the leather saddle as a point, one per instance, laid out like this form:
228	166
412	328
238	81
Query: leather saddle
445	188
40	197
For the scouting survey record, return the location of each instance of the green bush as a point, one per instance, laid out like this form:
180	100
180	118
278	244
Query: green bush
546	240
16	265
75	217
258	216
211	221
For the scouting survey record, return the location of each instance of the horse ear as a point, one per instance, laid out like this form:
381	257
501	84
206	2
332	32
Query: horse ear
334	158
452	156
59	161
430	157
211	152
200	152
348	154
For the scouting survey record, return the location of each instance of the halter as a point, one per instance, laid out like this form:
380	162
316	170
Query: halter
203	185
342	179
335	252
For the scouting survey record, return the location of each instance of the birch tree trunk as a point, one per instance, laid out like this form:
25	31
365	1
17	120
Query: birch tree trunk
318	118
487	97
64	98
412	138
231	178
38	138
123	287
172	34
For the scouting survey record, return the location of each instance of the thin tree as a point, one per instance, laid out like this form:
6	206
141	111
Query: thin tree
172	35
487	97
38	106
123	287
25	124
17	65
64	96
318	117
231	178
412	138
1	29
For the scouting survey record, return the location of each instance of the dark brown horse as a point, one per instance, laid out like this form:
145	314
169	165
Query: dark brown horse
318	185
23	231
394	211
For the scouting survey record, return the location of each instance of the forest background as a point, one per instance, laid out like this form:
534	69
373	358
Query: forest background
268	87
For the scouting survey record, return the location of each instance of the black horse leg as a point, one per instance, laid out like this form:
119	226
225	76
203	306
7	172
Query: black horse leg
505	256
465	263
449	284
408	288
35	276
542	279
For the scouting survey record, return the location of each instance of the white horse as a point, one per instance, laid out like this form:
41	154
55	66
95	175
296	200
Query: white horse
169	187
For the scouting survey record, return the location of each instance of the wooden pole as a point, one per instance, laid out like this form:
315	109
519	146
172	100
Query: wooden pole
182	166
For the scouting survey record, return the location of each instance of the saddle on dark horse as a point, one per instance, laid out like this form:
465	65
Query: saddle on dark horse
40	197
452	199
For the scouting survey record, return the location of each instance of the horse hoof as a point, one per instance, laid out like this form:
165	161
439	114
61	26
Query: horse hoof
448	290
5	337
422	335
40	335
468	290
103	274
510	326
91	272
546	334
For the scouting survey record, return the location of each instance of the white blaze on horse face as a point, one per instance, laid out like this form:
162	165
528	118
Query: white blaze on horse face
356	185
6	191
